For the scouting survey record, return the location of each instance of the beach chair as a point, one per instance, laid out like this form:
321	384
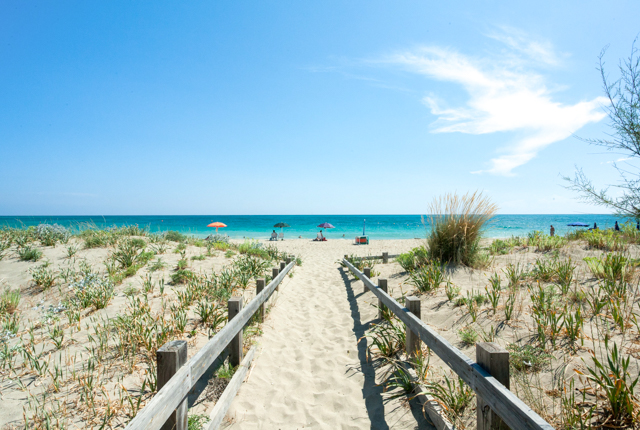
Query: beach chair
274	236
362	240
281	236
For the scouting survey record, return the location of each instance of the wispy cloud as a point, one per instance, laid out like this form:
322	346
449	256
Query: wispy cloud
505	95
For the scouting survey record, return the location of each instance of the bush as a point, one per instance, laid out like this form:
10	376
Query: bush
92	290
50	234
181	276
175	236
456	223
28	253
43	277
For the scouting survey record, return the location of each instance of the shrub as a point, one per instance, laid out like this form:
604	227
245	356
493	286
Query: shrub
43	277
218	238
406	261
181	276
91	290
499	247
175	236
50	234
127	253
456	223
28	253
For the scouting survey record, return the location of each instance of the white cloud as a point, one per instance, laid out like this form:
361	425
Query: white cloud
504	96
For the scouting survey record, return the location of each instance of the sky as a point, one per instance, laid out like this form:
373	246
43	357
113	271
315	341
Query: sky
282	107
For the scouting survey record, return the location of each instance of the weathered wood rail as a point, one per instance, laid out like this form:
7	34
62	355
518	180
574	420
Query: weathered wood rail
172	395
506	405
384	257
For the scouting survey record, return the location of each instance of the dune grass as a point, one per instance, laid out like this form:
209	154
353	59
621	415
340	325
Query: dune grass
456	227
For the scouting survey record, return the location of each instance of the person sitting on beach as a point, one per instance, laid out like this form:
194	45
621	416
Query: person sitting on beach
616	227
274	235
552	231
320	237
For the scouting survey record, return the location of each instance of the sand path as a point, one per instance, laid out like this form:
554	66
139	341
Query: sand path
310	371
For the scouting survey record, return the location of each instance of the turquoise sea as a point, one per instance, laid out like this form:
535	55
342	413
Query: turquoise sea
378	227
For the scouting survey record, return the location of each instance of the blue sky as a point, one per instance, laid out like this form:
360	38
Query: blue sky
302	107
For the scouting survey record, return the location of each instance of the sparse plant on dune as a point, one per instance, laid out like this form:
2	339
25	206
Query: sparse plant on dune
9	301
428	278
43	277
28	253
387	337
612	379
456	227
452	394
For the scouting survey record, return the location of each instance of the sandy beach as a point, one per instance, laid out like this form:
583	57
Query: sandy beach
314	367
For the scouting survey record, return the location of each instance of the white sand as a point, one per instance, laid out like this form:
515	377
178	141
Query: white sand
310	370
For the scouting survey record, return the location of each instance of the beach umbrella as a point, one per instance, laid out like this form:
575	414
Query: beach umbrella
577	224
217	225
282	225
325	225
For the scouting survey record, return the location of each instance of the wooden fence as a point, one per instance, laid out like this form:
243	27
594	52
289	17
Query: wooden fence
384	257
176	376
495	401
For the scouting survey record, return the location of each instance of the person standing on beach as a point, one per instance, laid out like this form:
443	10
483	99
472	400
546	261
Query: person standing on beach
552	231
616	227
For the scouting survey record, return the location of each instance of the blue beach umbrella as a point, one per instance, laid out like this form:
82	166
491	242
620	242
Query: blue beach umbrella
577	224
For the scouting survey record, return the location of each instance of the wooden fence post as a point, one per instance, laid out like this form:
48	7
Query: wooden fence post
169	358
234	306
288	260
412	339
259	288
282	265
274	273
367	273
385	257
495	360
382	283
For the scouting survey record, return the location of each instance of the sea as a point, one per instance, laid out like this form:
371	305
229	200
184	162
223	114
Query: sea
377	227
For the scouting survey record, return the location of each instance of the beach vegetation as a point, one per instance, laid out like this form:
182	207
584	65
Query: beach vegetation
387	337
29	253
456	227
452	291
428	278
43	277
181	276
528	358
468	335
499	247
174	236
612	380
453	394
50	234
9	301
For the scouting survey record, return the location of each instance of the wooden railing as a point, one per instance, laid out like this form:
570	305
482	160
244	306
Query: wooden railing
483	380
384	257
168	406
